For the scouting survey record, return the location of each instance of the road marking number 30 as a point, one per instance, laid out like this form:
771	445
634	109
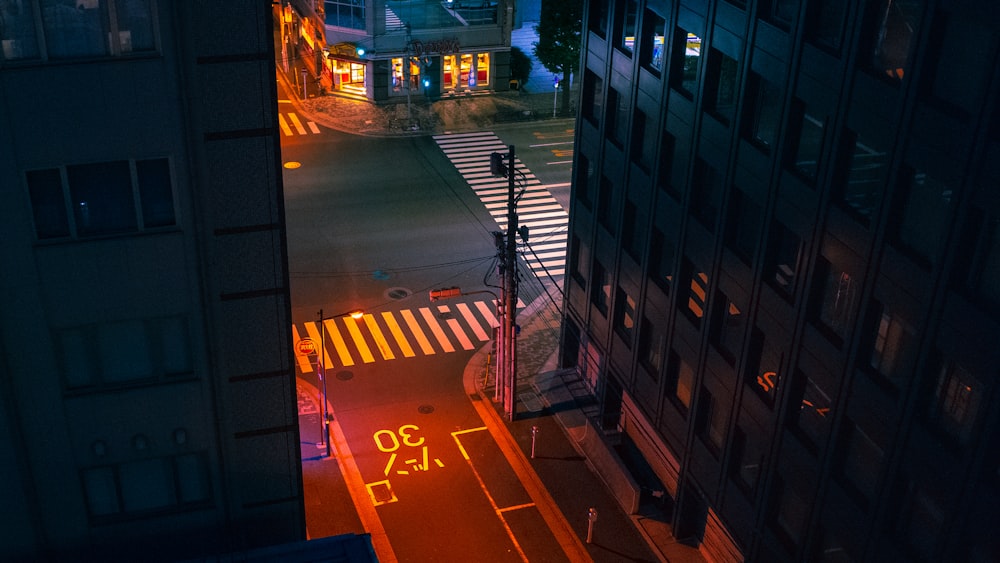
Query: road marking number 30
404	432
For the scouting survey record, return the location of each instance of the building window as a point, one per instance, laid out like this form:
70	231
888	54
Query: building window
601	288
598	20
605	205
764	367
807	145
743	226
838	301
643	147
84	29
979	270
118	492
781	262
593	97
892	341
687	53
616	126
921	518
652	47
890	31
586	181
579	261
632	232
861	462
664	175
923	226
625	316
727	327
747	459
345	13
863	178
955	405
712	421
102	197
682	380
825	23
722	84
813	417
630	12
781	13
706	189
958	87
791	515
764	115
661	260
696	296
651	342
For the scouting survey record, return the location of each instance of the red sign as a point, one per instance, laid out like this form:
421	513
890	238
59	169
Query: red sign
305	347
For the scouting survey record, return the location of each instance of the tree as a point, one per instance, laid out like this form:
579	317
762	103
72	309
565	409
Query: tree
560	26
520	65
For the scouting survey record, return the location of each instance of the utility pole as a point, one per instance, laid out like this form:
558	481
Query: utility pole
510	295
325	424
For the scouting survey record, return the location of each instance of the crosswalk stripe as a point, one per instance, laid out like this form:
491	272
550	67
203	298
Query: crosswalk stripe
338	343
315	335
436	329
456	329
297	123
473	322
359	340
304	364
313	127
284	125
418	333
380	341
487	313
397	333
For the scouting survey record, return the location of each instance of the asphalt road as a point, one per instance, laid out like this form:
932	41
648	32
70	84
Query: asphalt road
374	224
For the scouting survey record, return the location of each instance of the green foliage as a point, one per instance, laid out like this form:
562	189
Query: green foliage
559	28
520	65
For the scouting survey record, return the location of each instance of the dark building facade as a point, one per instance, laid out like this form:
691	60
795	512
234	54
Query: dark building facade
784	270
147	401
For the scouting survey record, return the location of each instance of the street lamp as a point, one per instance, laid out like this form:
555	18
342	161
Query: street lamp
324	428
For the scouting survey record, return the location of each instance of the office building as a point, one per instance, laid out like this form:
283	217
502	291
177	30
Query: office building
147	401
784	271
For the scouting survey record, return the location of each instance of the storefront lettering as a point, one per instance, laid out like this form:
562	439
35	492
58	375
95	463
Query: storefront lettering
439	46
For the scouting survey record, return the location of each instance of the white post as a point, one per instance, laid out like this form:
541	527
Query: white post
555	96
534	434
591	518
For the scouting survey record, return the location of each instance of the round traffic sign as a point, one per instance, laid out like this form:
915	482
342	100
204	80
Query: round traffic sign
305	347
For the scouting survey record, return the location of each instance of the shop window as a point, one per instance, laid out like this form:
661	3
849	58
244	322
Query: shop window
348	75
711	423
837	303
661	260
102	197
687	54
625	316
652	340
727	327
345	13
922	228
890	31
643	146
696	296
763	117
812	418
806	146
825	23
459	72
598	17
616	125
629	15
743	225
593	97
600	294
891	341
722	84
781	13
781	262
763	372
652	47
482	69
605	205
862	177
706	189
955	404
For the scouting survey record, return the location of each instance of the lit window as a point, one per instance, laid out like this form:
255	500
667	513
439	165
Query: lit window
629	15
625	318
688	53
654	31
684	384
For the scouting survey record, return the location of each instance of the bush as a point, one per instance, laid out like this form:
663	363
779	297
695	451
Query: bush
520	65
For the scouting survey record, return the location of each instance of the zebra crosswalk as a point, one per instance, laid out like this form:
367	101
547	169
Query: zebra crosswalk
392	21
290	125
390	335
546	220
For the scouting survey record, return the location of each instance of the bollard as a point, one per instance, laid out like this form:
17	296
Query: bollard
534	433
591	518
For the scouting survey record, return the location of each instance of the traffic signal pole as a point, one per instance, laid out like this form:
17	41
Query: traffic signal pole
510	289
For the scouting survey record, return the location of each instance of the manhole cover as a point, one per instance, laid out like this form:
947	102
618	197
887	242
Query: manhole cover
345	375
397	293
425	409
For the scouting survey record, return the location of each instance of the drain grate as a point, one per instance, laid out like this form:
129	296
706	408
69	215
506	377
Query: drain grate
425	409
397	293
345	375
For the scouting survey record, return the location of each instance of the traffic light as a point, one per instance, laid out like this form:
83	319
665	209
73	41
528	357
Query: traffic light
360	51
445	293
497	166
